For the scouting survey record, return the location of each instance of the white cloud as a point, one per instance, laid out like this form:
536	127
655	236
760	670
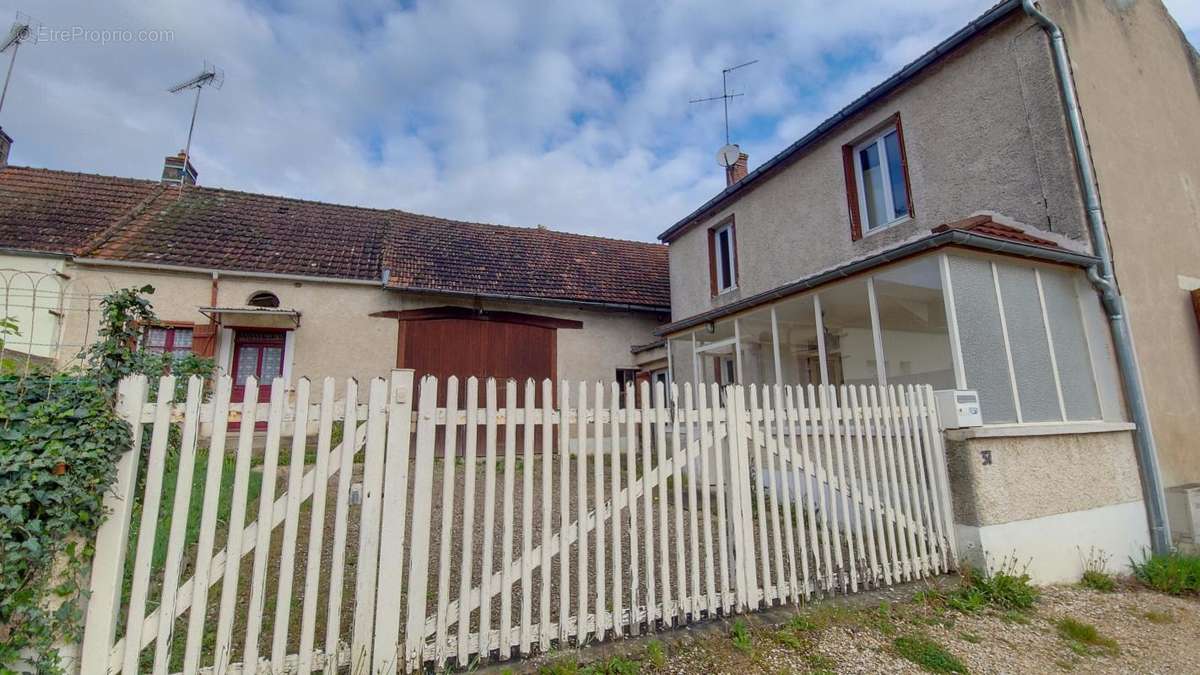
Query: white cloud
573	115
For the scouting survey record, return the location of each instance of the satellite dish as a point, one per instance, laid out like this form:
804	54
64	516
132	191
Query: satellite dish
728	155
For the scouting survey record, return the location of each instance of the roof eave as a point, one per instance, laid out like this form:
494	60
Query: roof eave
533	299
980	24
963	238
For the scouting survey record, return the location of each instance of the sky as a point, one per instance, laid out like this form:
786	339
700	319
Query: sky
573	115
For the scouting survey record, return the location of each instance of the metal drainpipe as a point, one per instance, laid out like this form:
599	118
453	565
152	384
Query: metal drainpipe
1104	280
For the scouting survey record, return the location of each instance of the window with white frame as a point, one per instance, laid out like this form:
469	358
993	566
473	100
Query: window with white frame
173	340
881	180
724	258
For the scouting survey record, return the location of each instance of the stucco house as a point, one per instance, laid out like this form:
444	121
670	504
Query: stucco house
937	231
271	286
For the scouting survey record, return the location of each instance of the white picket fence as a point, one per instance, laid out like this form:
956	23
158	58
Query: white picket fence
499	519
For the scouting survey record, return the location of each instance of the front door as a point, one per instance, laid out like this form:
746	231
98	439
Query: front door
257	353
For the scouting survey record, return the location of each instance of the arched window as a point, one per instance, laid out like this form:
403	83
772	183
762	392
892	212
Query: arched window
263	299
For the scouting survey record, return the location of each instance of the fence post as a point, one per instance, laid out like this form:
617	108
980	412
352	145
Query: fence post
739	486
108	564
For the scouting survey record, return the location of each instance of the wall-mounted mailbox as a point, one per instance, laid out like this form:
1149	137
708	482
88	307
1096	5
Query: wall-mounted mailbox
958	408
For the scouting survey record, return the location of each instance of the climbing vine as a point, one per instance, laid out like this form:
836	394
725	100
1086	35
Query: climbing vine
60	439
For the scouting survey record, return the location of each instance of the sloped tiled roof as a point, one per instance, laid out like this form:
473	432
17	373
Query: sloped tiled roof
984	224
60	212
142	221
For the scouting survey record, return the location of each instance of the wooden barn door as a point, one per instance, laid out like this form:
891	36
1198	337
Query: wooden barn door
469	347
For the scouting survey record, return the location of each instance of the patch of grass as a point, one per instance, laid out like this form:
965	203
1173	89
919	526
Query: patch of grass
970	637
1174	573
789	639
1006	587
617	665
1084	639
1098	581
1015	616
928	654
1160	618
881	619
656	655
1095	572
802	623
740	634
819	664
561	667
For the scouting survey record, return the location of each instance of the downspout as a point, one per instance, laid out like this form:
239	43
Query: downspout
1104	280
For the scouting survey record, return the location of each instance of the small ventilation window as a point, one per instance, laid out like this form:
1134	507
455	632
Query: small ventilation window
263	299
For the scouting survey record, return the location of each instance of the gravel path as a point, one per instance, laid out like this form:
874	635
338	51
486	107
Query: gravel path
1154	633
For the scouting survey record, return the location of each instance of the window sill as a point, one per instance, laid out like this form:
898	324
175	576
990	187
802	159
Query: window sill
1038	429
885	227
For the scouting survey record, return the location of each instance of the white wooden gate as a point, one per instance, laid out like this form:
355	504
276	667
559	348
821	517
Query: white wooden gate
446	527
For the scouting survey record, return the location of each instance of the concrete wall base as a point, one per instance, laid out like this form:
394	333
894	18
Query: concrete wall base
1056	546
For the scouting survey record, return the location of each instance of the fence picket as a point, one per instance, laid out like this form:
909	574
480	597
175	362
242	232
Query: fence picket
841	429
866	529
581	495
631	478
773	490
598	488
681	594
618	591
782	482
262	548
316	528
489	515
418	571
653	610
722	455
527	522
564	512
664	557
706	435
237	519
547	476
333	613
147	529
466	569
449	440
175	544
386	655
693	487
208	524
506	518
368	533
794	400
283	601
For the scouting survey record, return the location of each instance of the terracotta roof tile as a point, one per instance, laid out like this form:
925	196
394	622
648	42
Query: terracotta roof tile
984	224
139	221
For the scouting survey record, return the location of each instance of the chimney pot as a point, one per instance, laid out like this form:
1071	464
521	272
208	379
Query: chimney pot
738	171
174	171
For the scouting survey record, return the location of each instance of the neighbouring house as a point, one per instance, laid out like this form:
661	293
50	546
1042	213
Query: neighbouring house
276	287
934	232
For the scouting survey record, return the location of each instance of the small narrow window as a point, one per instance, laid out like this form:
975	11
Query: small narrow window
173	340
877	181
723	249
263	299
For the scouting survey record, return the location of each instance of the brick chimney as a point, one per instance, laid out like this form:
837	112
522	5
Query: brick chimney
173	170
738	171
6	142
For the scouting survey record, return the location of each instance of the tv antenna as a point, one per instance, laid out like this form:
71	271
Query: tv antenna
209	75
21	31
730	150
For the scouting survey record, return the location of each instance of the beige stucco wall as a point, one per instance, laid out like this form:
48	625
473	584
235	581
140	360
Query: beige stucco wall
1139	89
31	291
984	131
1036	476
338	338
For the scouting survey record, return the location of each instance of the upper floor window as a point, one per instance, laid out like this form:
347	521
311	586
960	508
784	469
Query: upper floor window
722	253
173	340
877	181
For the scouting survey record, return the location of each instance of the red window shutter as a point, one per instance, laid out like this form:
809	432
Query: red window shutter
1196	305
852	192
712	262
204	339
904	163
